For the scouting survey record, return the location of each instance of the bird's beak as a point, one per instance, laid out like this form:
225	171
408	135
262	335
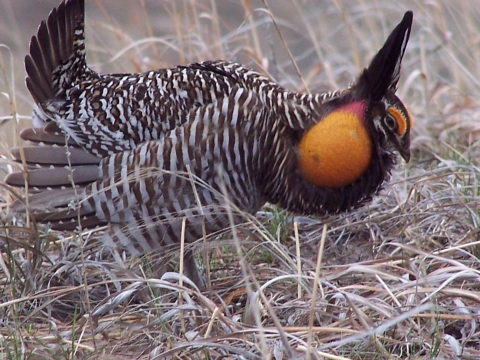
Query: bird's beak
405	153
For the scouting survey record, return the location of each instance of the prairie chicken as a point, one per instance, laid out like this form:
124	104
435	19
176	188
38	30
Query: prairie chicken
140	152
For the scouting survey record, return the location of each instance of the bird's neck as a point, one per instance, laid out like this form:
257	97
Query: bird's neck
284	180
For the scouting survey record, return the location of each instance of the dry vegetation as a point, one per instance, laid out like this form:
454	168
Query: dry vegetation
396	279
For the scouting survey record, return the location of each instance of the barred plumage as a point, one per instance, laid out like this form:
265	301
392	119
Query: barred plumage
145	150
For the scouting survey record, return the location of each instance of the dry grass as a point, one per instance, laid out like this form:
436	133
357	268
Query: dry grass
398	279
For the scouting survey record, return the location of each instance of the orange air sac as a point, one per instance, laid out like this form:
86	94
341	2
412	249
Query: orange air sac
337	150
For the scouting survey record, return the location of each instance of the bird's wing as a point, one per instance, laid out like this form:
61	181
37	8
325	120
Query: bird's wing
144	193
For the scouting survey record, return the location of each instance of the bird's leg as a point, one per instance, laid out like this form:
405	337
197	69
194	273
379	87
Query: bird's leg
192	271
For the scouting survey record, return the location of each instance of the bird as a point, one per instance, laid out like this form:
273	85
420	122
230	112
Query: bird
180	152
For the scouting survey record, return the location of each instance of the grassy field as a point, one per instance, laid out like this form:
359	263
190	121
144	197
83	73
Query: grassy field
399	278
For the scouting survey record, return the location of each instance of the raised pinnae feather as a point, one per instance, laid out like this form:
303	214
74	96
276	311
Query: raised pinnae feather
384	70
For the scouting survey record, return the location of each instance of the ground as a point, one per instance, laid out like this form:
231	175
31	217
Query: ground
398	278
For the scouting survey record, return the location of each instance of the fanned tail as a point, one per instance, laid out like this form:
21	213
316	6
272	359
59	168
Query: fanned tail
57	52
58	168
53	161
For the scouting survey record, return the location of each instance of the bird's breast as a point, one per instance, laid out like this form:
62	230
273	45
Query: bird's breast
337	150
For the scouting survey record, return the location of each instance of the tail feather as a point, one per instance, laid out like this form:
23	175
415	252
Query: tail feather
55	177
62	215
55	63
39	71
59	209
53	128
57	52
55	156
73	224
40	136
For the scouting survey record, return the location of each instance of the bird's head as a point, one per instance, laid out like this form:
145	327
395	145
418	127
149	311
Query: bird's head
392	122
367	118
377	86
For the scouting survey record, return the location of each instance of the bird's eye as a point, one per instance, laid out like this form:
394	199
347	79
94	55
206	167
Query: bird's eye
390	122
